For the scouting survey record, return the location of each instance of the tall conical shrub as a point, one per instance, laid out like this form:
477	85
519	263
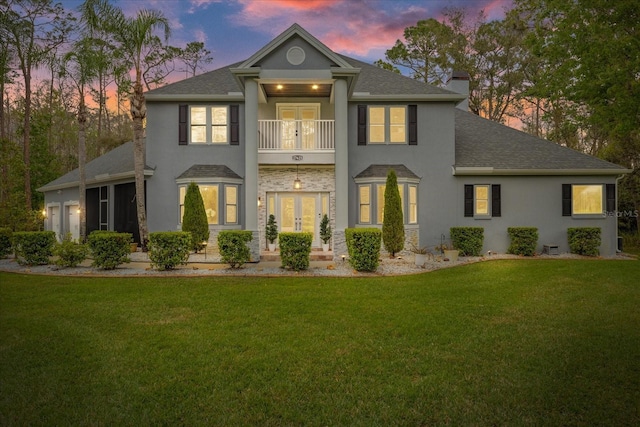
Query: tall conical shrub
392	222
194	219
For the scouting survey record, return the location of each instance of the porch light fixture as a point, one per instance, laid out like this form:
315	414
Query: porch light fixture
44	213
279	87
259	202
314	87
297	184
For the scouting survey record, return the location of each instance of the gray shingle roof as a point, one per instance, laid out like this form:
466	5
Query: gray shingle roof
481	143
380	171
209	171
112	165
216	82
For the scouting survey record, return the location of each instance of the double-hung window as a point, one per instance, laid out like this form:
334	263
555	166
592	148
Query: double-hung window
209	124
220	202
371	202
482	201
387	124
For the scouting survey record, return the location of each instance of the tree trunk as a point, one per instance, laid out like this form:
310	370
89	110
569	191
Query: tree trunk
82	159
26	139
138	113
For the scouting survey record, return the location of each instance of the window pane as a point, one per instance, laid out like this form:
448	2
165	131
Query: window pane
397	115
365	197
231	194
482	200
218	115
365	214
198	134
397	134
365	204
587	199
231	214
413	204
198	115
376	134
210	198
380	202
231	200
218	134
376	115
181	192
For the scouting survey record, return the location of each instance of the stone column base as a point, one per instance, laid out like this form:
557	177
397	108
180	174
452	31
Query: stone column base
254	246
339	245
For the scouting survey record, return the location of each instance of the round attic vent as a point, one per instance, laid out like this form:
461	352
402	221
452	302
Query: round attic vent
295	55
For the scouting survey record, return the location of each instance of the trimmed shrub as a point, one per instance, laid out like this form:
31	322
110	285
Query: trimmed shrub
584	240
363	245
5	241
271	230
167	249
468	240
33	247
325	229
194	219
233	247
69	253
295	249
523	240
393	221
109	248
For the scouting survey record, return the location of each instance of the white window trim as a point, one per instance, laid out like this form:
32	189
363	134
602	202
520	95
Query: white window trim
477	215
222	183
209	125
373	202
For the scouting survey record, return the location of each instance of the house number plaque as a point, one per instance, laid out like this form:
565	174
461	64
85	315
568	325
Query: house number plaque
297	157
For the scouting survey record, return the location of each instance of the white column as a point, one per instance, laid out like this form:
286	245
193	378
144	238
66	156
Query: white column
342	168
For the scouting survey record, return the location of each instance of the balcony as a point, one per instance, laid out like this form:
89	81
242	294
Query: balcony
297	141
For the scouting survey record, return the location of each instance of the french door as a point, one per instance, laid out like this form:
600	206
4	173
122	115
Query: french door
299	212
298	126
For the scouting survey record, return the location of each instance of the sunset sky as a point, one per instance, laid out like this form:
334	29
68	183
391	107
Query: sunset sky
235	29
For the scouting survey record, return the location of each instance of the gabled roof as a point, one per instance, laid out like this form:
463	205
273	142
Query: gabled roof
208	171
294	30
381	171
116	164
484	147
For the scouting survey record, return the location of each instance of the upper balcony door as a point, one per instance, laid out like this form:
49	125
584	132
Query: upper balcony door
298	125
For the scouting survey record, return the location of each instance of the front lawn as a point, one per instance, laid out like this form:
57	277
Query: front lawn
535	342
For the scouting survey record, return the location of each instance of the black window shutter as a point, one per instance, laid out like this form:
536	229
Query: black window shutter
362	125
182	124
611	198
234	124
413	125
496	208
468	200
566	199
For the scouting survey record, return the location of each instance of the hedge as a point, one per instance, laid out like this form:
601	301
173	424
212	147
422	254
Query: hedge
295	250
523	240
5	241
168	249
363	245
33	247
468	240
233	247
69	253
109	248
584	240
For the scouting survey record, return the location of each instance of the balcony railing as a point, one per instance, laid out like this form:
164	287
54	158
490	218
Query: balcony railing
296	135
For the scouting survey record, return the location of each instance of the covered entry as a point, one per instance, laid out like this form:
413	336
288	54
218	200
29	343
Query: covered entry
299	212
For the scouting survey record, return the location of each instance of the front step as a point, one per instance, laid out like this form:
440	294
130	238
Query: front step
316	255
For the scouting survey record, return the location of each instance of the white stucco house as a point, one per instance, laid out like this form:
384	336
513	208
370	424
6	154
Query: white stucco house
298	131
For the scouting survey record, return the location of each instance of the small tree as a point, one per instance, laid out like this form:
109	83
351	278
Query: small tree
271	231
194	219
392	222
325	229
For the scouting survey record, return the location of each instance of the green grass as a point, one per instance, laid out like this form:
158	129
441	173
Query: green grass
540	342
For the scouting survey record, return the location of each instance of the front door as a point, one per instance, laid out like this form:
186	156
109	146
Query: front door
299	212
54	218
298	126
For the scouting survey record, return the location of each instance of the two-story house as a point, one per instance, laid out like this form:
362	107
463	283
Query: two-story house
299	131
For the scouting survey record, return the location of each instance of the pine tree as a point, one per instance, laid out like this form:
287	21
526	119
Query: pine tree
195	217
392	222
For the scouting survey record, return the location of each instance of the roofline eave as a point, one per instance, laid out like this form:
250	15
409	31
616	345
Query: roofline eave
470	171
103	178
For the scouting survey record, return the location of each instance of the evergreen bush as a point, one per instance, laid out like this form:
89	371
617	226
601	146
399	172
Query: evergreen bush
109	248
295	250
271	230
325	229
468	240
5	241
393	221
363	245
33	247
168	249
69	253
523	240
233	247
584	240
194	219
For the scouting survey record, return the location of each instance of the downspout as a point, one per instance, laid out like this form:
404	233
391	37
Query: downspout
616	216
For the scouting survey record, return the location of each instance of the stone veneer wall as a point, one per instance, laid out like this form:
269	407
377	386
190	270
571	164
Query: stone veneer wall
315	179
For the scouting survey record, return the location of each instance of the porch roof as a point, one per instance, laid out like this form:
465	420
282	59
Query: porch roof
380	171
208	171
